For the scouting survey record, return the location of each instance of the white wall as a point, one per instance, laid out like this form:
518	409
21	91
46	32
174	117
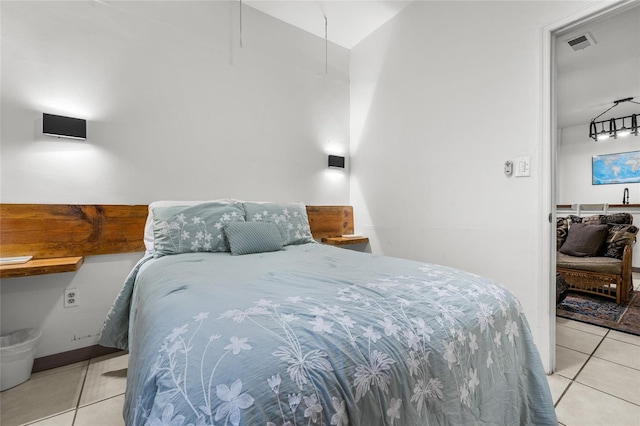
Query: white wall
441	96
175	109
575	151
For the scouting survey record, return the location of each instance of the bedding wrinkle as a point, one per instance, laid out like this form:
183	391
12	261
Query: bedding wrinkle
315	335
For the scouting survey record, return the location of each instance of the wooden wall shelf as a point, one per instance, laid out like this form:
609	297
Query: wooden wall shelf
342	241
53	265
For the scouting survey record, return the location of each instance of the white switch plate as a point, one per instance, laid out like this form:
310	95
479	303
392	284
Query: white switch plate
522	166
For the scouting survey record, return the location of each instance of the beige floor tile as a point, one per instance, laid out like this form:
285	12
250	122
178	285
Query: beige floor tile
557	384
59	369
577	340
106	378
577	325
584	406
42	397
614	379
624	337
103	413
619	352
569	362
65	419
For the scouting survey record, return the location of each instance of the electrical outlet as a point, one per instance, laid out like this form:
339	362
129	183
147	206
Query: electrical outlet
71	297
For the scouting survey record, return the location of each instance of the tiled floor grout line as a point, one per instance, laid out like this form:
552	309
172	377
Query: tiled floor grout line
84	381
581	368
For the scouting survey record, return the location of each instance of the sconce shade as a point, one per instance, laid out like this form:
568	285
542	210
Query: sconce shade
336	161
64	127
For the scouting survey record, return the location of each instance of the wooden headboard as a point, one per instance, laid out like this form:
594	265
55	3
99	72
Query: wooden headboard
60	230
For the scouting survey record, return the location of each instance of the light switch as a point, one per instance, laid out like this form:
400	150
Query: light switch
523	166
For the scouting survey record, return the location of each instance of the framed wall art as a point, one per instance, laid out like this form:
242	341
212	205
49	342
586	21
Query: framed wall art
623	167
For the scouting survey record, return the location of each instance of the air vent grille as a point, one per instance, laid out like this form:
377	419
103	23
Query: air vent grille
581	42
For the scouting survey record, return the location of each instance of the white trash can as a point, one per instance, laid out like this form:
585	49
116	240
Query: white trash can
17	350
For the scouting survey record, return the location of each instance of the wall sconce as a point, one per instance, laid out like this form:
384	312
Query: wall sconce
64	127
612	129
336	161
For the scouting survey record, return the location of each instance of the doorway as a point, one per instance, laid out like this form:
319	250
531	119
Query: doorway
549	150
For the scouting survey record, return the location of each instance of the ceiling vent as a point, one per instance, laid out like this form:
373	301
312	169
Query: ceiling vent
581	42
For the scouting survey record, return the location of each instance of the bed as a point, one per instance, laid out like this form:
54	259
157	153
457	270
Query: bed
308	334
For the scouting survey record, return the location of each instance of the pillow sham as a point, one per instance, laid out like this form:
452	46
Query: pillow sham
253	237
562	227
185	229
585	240
291	218
148	227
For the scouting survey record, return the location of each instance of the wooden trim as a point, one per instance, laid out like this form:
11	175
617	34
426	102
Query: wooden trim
58	230
70	357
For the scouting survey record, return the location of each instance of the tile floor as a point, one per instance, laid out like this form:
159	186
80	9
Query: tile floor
88	393
597	382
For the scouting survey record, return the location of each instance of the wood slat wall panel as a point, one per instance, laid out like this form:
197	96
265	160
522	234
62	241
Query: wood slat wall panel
61	230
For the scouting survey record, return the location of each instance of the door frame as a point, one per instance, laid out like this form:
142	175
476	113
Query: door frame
548	182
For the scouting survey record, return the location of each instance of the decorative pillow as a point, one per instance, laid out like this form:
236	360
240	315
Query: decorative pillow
619	236
291	218
585	240
604	219
185	229
562	227
148	227
572	218
592	220
253	237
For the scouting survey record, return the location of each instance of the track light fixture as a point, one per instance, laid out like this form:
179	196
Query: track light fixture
609	128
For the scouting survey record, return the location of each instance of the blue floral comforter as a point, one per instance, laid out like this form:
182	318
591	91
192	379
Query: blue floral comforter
317	335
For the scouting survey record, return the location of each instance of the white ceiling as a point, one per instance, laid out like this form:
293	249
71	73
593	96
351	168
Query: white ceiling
588	81
348	21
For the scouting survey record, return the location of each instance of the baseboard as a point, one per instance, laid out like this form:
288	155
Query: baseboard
70	357
633	269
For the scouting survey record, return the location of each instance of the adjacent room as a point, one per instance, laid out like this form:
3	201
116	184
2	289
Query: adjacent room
422	144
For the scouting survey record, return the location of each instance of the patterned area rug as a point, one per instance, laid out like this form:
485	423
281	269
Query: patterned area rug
602	312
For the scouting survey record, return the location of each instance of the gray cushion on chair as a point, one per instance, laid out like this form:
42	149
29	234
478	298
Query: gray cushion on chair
585	240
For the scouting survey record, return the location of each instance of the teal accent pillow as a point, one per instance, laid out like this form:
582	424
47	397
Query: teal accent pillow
291	218
186	229
253	237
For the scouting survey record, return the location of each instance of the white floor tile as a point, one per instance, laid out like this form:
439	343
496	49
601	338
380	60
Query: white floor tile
584	406
557	384
624	337
577	340
59	369
569	362
614	379
106	378
65	419
42	397
103	413
577	325
619	352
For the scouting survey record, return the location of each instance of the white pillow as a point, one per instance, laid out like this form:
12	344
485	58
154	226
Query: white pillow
148	226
